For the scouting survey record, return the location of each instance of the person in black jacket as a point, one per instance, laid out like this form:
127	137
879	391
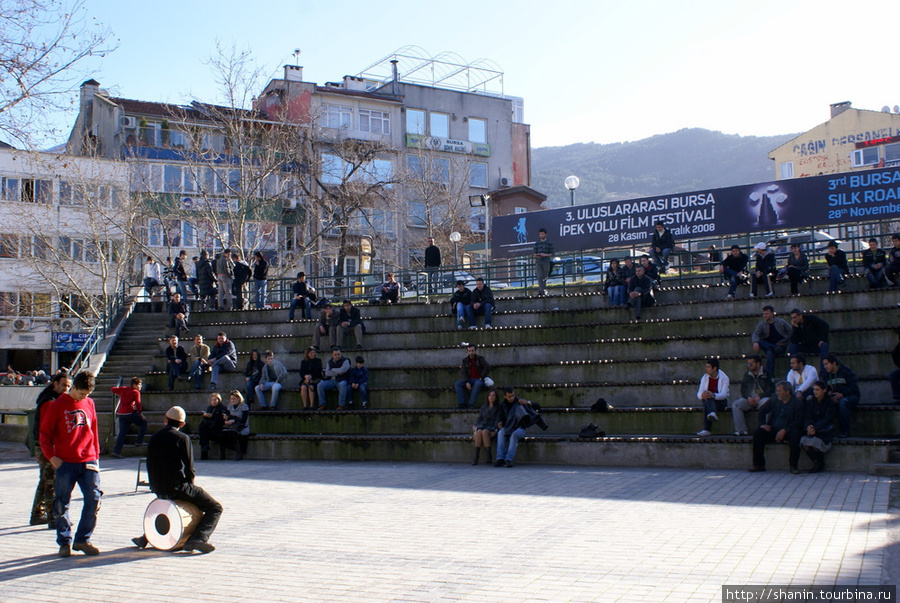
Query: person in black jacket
844	390
180	273
252	375
42	507
734	269
460	302
615	285
211	425
176	361
482	303
170	466
242	274
304	295
432	263
837	266
486	425
661	246
819	425
892	271
797	268
260	276
350	320
763	271
640	291
874	261
206	281
809	335
179	312
783	425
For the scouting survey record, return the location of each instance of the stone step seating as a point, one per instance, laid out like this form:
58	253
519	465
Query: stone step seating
410	427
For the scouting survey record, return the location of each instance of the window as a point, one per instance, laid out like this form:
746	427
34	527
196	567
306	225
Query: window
416	215
155	233
350	265
892	152
440	125
441	167
521	210
172	179
259	235
334	169
8	303
380	170
11	187
9	246
415	121
376	122
37	191
787	169
478	174
337	116
867	156
477	130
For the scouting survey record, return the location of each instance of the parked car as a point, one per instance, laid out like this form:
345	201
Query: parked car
587	268
445	283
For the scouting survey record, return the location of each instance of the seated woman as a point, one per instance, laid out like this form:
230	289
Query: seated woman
310	375
236	428
211	424
819	423
486	426
252	374
615	285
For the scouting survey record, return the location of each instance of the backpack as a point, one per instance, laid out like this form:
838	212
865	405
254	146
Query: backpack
591	431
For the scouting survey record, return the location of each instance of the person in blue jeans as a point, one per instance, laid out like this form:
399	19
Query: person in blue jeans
303	296
358	379
661	246
734	269
482	303
837	266
474	371
335	372
518	414
459	303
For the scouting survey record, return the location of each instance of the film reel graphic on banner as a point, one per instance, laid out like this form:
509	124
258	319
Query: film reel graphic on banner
169	523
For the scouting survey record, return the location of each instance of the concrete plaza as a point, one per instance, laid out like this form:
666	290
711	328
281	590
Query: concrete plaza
334	531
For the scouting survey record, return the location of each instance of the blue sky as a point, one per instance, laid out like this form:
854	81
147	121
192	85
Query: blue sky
597	71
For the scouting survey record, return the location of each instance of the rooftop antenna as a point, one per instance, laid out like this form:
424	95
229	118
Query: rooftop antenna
296	54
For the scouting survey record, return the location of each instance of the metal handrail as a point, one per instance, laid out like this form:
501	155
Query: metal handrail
82	359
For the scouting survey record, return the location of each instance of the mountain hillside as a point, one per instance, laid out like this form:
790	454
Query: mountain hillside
682	161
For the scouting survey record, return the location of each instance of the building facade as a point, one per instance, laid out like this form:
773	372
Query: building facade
853	139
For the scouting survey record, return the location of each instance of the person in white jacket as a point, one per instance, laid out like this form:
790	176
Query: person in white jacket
802	375
713	394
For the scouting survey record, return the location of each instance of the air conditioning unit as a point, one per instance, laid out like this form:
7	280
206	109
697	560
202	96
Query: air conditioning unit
20	324
129	122
68	325
505	182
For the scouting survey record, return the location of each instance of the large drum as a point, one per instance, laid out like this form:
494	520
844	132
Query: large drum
169	523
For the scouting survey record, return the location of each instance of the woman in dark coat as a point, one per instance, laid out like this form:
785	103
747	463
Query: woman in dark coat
819	424
206	280
310	375
485	427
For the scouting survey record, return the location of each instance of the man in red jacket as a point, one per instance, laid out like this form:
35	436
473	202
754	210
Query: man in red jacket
70	438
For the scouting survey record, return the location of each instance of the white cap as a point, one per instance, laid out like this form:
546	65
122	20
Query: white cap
176	413
760	246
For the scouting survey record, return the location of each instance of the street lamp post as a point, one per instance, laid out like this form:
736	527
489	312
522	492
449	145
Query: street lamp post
572	183
455	237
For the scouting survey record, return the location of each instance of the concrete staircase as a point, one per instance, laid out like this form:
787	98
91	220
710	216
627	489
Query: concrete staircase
561	351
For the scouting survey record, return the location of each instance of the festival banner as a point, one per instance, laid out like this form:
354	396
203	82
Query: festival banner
780	205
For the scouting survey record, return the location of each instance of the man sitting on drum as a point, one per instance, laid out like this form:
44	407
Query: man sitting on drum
170	466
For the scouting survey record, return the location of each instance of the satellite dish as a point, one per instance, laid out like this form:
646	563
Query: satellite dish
896	108
885	109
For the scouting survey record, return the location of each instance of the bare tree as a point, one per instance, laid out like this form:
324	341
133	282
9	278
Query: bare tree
43	44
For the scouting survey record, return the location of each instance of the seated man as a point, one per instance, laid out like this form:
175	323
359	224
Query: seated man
802	376
517	415
350	321
797	268
460	302
223	357
771	336
640	292
809	334
390	290
734	269
358	378
844	391
176	361
837	266
272	378
200	352
763	271
756	388
783	425
170	465
482	303
650	270
303	296
326	327
474	371
874	261
713	394
335	372
152	277
661	246
179	310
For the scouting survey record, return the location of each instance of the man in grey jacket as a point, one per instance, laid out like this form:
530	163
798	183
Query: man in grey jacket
771	337
335	378
757	387
273	377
